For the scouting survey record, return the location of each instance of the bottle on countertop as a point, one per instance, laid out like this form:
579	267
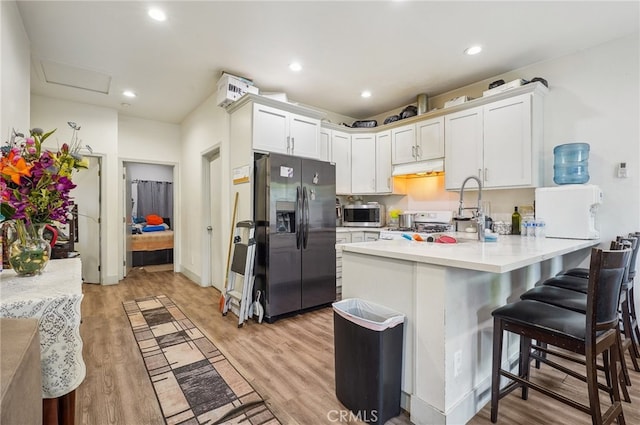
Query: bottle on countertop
515	222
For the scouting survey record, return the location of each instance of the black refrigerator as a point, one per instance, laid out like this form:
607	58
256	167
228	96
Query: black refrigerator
294	210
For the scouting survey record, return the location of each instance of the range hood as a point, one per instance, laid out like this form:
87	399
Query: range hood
433	167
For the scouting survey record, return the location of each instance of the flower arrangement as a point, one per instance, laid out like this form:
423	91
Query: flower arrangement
35	183
35	186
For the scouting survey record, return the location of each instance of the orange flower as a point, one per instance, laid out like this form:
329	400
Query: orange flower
14	167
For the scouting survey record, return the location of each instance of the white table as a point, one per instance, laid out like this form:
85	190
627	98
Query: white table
53	298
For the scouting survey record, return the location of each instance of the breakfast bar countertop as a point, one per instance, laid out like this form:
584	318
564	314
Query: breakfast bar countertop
506	254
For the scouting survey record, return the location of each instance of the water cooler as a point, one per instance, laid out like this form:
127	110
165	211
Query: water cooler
569	211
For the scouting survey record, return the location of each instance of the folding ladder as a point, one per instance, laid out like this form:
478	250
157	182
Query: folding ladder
242	264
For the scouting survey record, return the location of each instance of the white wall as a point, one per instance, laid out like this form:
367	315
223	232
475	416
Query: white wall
99	129
203	129
15	72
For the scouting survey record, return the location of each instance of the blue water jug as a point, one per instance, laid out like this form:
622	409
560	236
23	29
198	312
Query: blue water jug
571	163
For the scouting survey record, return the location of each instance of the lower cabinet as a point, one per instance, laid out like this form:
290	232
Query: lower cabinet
349	237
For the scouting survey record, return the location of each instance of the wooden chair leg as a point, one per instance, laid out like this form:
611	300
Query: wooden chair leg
592	386
623	362
495	370
524	366
629	334
615	356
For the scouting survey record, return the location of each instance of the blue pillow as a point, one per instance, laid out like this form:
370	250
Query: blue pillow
158	228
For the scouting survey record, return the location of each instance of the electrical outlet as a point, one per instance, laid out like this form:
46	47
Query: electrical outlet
457	363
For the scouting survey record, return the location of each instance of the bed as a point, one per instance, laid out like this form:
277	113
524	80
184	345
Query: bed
152	247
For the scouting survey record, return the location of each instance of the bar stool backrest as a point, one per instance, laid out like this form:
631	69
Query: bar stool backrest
633	239
606	271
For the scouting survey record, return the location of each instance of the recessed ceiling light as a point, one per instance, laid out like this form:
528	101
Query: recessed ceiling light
157	14
473	50
365	94
128	93
295	66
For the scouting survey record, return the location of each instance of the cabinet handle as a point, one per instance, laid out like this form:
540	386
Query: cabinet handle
293	144
389	183
419	152
486	174
413	151
288	148
480	173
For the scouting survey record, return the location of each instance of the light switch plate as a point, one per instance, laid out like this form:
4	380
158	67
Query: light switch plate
622	170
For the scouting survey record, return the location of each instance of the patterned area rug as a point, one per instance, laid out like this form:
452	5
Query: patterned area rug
194	382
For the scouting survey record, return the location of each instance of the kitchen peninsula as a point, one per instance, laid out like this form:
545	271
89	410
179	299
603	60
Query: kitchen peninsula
447	292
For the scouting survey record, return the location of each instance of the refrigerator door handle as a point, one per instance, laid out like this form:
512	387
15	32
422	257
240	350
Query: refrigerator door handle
305	217
298	218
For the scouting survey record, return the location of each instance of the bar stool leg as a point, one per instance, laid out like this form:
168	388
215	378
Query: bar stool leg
495	370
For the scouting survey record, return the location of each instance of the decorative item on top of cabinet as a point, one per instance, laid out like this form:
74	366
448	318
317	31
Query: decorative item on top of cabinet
499	142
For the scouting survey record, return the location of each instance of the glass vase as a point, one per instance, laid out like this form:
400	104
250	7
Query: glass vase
29	253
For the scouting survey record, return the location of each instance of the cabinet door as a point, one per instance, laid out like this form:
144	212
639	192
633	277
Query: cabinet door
325	144
304	135
430	139
371	236
384	180
357	236
507	142
270	129
363	163
403	144
463	147
341	156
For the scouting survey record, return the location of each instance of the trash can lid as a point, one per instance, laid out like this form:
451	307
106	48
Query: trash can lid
367	314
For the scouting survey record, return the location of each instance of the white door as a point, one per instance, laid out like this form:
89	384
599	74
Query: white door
87	197
304	135
341	156
430	139
270	129
403	144
463	147
363	163
507	142
383	162
128	222
215	224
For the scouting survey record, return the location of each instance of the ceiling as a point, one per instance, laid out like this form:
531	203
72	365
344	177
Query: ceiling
395	49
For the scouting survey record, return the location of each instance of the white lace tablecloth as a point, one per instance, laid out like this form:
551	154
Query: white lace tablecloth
53	298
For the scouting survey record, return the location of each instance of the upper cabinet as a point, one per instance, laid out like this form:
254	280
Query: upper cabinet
363	165
499	142
341	157
421	141
275	130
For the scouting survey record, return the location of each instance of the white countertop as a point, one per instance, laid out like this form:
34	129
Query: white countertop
508	253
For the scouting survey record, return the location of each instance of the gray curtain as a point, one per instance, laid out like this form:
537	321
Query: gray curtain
155	198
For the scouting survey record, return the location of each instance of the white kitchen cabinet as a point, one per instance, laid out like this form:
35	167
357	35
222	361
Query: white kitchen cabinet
357	236
463	144
325	144
370	236
498	142
384	179
275	130
363	163
403	144
430	139
341	157
341	239
421	141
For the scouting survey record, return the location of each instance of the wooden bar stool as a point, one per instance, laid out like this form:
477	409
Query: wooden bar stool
591	335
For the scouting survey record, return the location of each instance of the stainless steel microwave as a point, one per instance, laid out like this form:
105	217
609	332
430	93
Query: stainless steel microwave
365	215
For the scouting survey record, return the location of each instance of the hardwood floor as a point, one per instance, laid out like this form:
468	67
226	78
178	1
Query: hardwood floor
290	362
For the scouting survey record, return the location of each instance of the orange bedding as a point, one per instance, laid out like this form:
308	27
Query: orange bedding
152	241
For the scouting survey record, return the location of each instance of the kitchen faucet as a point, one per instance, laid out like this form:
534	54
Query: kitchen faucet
479	215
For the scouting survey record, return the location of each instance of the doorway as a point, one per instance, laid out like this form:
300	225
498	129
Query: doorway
213	266
87	195
148	190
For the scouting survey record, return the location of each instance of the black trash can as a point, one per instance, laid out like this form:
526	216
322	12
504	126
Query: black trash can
368	359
